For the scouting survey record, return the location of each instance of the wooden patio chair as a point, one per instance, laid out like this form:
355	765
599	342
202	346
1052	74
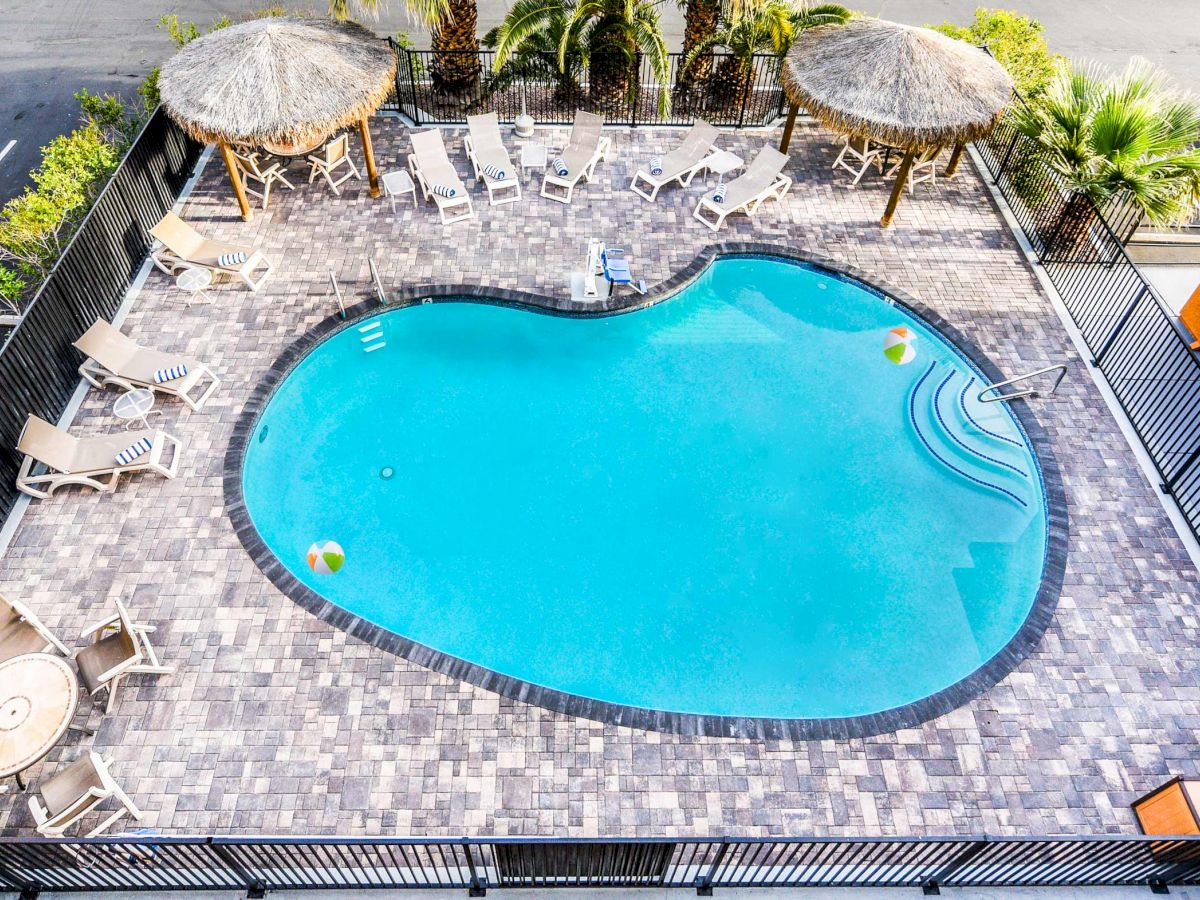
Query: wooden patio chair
335	156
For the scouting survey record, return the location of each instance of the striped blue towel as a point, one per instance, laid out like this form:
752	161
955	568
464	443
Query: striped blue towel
493	172
560	166
443	190
656	165
133	451
232	260
719	194
170	373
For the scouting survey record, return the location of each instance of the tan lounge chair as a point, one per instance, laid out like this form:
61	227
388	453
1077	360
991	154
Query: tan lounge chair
87	461
113	358
119	648
254	169
486	148
762	180
75	791
179	246
585	148
431	169
21	632
681	164
334	156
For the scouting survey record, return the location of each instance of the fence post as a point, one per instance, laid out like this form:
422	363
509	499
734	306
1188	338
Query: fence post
1012	145
255	889
478	888
637	88
1121	322
704	882
1168	486
746	94
412	86
932	884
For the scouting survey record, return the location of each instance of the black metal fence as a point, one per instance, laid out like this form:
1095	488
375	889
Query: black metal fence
1134	339
476	864
723	90
38	366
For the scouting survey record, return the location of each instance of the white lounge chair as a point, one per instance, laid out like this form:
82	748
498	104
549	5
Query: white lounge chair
22	632
113	358
762	180
486	150
334	156
87	461
75	791
179	246
585	148
431	169
119	647
681	164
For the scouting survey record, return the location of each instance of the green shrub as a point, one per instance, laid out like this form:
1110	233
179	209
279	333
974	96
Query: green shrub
1017	43
12	286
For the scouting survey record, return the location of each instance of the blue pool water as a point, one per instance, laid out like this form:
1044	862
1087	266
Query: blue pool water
728	503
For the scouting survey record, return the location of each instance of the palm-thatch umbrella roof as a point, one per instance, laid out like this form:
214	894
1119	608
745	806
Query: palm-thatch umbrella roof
904	86
277	80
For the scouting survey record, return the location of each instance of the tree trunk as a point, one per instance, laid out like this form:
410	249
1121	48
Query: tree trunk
611	79
700	20
1068	237
455	70
729	82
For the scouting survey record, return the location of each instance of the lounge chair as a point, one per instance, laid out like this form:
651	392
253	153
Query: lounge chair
75	791
762	180
334	156
265	172
113	358
585	148
21	632
431	169
119	647
488	155
87	461
681	164
180	246
1189	315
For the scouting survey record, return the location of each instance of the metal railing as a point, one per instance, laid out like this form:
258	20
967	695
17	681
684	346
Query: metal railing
38	365
440	88
1134	338
994	389
154	863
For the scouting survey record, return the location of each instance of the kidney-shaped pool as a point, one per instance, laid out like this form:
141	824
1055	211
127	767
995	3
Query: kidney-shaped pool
775	494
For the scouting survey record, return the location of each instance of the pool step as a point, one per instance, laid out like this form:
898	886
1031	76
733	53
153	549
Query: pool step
969	442
372	336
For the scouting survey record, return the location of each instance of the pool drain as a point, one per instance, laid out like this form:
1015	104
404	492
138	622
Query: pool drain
386	472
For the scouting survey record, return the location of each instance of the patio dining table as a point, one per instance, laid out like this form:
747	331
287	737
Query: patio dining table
38	697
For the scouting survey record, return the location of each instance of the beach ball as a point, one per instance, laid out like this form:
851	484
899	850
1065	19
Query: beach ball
326	557
898	345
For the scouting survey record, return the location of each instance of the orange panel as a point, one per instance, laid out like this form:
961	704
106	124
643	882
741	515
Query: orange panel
1167	812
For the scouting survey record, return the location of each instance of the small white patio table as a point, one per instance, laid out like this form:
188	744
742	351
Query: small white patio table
396	183
194	282
38	697
134	406
721	163
533	156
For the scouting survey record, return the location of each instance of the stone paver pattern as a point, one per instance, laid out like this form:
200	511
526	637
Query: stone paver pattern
275	722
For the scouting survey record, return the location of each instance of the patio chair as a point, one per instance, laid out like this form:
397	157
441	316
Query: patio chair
924	168
119	647
114	359
21	632
490	160
615	268
90	462
265	172
76	790
334	156
585	148
179	246
681	164
431	169
763	180
857	161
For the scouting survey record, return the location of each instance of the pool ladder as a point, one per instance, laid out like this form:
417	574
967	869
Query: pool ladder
1061	369
376	283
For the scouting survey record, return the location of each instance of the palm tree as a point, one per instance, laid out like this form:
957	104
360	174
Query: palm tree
701	19
768	27
608	35
1129	136
536	60
455	69
427	11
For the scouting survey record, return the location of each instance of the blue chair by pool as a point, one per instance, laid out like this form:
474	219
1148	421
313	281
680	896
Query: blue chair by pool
616	271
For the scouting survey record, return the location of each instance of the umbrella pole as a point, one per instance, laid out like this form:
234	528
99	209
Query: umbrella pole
369	154
235	179
898	188
952	166
787	128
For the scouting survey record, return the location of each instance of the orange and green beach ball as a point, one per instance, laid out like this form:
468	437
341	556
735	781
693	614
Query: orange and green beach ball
898	345
326	557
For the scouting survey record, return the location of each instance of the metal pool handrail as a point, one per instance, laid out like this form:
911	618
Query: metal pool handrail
1061	368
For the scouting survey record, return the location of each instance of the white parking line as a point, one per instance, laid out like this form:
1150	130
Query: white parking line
7	147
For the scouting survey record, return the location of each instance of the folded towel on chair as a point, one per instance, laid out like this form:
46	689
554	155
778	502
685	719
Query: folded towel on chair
656	165
443	190
560	166
170	373
719	194
232	260
133	451
494	172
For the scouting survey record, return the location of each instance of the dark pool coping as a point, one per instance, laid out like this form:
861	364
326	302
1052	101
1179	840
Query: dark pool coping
1021	645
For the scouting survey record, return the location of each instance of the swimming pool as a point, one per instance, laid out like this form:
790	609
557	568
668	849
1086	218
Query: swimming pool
733	503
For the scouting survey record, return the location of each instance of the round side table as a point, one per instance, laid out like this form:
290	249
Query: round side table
134	406
194	282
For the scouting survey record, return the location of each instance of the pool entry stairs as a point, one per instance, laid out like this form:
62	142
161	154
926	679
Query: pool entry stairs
972	439
371	336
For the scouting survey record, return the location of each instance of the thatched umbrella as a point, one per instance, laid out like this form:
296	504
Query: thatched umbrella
279	80
903	86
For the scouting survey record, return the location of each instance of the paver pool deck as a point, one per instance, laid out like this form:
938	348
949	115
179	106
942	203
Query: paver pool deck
275	722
